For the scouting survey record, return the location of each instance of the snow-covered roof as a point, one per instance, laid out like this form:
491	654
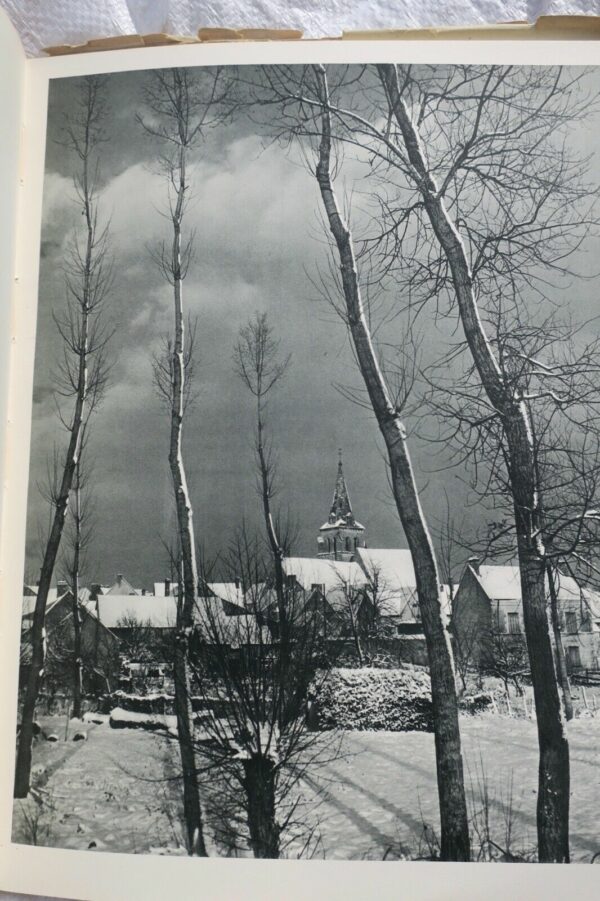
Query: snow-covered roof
503	583
340	514
122	587
28	605
342	524
216	626
161	612
228	591
392	567
311	571
391	571
500	583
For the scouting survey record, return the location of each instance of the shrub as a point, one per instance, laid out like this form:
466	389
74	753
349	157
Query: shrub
374	699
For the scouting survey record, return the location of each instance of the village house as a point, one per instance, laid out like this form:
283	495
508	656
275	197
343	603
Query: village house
488	607
99	646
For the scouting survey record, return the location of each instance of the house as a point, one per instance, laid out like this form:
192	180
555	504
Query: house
99	646
488	606
145	623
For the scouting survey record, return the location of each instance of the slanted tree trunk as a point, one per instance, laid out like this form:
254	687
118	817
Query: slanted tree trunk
455	844
259	785
38	633
553	789
86	286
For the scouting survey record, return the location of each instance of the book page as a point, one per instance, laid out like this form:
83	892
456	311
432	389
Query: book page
303	471
12	64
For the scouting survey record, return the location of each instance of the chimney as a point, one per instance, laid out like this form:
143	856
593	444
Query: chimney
95	590
474	563
61	588
167	587
143	592
119	579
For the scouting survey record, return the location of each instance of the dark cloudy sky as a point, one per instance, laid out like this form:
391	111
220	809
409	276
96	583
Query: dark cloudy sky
258	244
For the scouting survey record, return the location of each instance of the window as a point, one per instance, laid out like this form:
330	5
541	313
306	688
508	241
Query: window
571	622
348	544
573	657
514	626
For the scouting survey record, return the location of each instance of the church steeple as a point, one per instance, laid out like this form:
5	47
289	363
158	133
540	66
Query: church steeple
341	509
342	533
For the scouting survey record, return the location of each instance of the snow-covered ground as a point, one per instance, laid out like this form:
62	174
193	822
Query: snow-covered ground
377	797
113	791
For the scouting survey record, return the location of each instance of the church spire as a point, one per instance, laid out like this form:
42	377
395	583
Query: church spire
341	535
341	508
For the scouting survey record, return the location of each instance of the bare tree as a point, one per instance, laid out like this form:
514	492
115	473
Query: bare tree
505	656
182	105
139	641
83	371
306	111
504	206
259	365
479	203
256	744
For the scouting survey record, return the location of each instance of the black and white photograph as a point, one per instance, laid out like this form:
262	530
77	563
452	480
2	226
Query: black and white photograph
312	560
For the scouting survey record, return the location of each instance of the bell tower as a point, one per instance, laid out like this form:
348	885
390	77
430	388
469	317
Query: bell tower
342	534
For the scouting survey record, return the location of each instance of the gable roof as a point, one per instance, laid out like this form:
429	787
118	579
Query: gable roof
503	583
29	599
500	583
311	571
392	567
219	623
393	571
121	586
160	613
228	591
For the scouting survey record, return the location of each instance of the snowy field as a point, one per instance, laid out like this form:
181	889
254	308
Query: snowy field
377	800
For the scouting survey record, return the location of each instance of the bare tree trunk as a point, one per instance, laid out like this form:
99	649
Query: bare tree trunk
277	552
561	663
79	346
455	844
192	810
38	634
183	704
259	785
76	608
553	791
